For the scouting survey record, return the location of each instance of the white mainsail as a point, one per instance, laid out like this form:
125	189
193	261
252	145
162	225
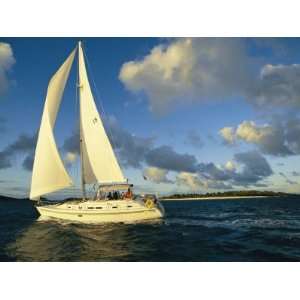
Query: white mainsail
49	173
98	158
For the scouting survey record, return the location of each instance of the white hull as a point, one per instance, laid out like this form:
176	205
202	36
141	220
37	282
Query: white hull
113	211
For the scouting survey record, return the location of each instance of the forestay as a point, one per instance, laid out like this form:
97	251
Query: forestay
49	173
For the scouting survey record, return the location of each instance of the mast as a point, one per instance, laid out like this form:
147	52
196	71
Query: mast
79	86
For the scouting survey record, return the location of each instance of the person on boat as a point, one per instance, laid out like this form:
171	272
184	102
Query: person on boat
128	194
109	196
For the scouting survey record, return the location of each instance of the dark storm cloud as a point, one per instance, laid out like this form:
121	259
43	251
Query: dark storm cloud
28	162
211	171
131	149
165	157
136	151
275	143
278	86
293	134
24	144
254	168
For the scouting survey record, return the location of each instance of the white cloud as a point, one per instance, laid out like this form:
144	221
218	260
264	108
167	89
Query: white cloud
252	133
189	69
189	180
247	131
7	60
70	157
275	139
156	175
194	182
228	134
230	165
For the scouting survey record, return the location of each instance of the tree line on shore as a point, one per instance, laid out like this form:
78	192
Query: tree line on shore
228	194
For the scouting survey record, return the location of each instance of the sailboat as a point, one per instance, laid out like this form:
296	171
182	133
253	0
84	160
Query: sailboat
113	199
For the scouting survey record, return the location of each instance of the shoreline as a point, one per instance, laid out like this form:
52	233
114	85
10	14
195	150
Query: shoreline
215	198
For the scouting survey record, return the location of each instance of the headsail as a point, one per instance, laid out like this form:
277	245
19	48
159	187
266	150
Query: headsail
49	173
98	158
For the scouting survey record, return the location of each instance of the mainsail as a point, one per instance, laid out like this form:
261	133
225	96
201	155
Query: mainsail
49	173
99	163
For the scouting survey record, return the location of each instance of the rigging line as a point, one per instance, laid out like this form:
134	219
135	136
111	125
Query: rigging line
77	123
98	99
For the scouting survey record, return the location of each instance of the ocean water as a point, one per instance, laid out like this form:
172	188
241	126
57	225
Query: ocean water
259	229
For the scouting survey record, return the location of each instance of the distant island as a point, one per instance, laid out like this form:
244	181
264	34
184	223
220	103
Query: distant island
229	194
215	195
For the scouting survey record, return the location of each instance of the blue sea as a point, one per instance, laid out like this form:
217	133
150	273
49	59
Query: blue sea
258	229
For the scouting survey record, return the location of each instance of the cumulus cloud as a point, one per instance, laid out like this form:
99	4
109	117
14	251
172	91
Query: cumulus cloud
278	86
211	171
228	134
249	169
190	180
196	182
245	169
166	158
194	139
7	60
255	167
189	69
156	175
135	151
278	138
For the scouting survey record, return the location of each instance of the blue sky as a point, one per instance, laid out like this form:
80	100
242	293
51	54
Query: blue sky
191	114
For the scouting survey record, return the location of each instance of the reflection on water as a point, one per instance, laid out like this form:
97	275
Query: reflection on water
237	230
63	241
